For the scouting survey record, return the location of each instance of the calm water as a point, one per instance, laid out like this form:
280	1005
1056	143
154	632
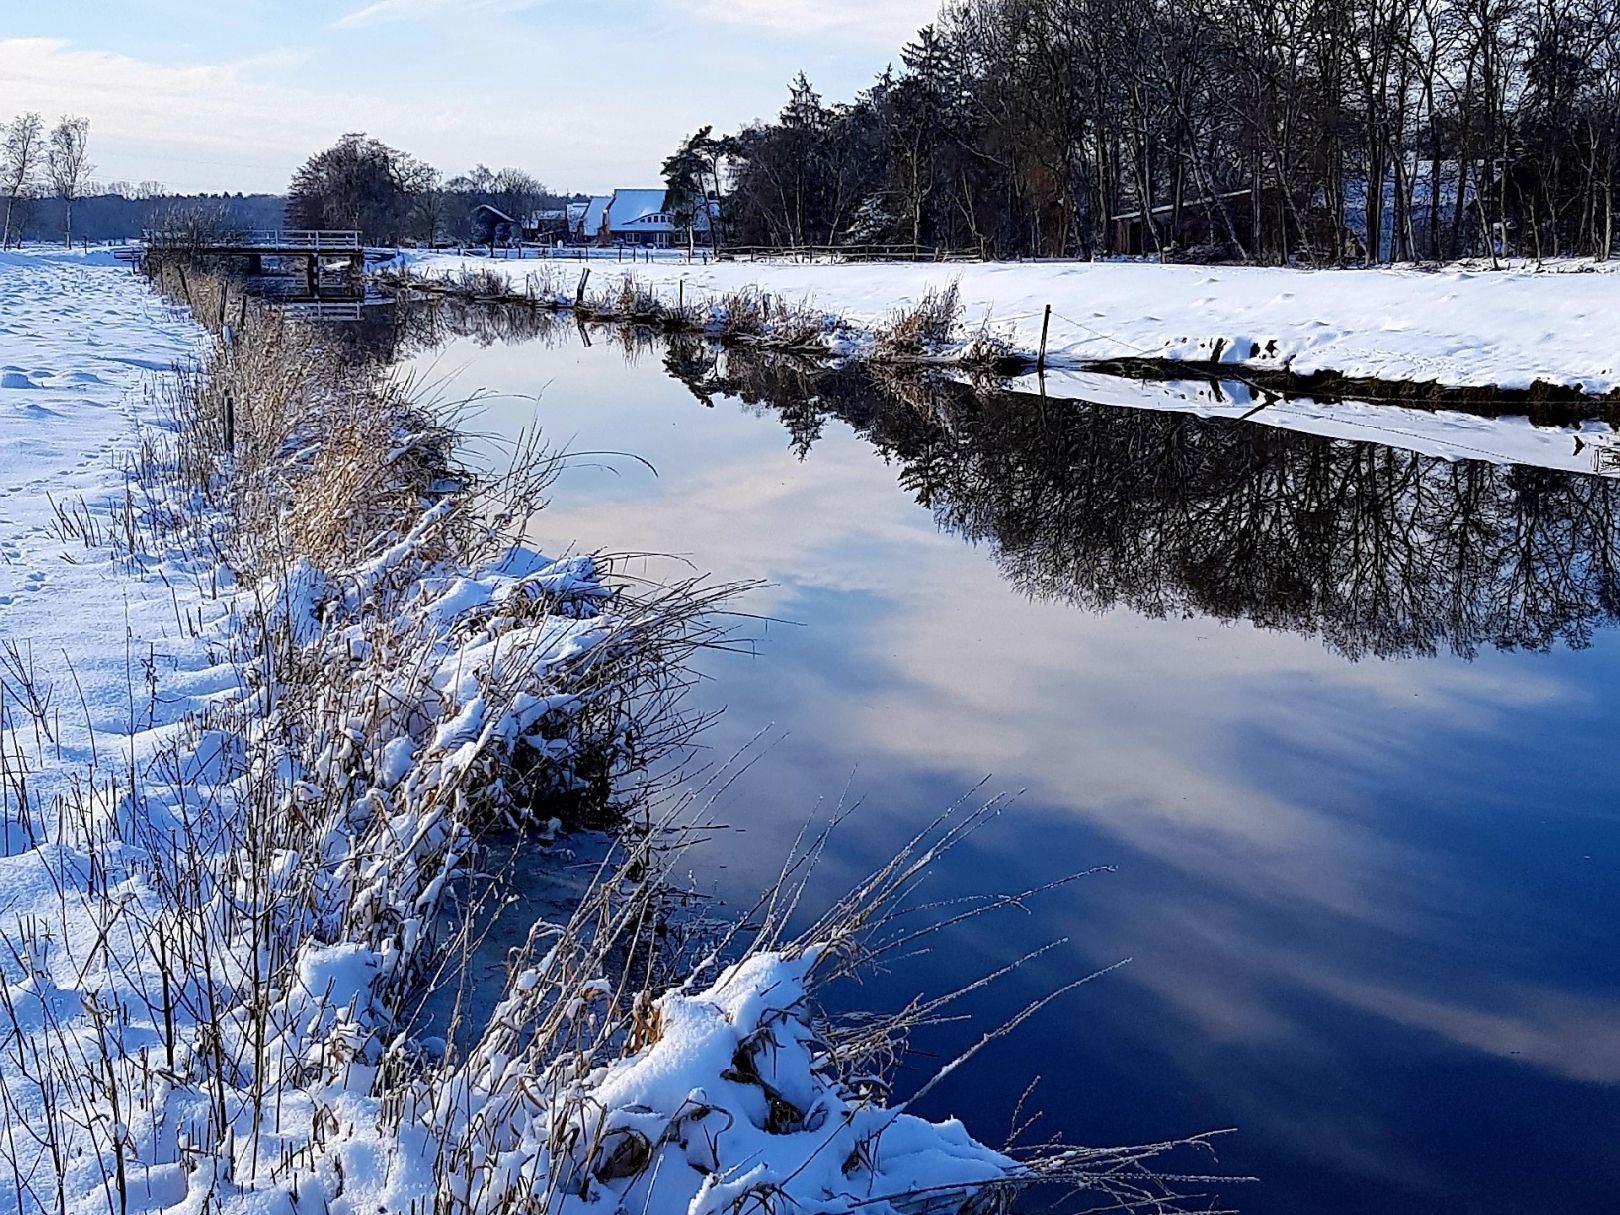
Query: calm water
1343	718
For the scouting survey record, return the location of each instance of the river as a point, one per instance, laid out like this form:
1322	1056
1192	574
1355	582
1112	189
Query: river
1341	719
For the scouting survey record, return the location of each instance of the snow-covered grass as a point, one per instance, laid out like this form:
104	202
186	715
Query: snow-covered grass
271	662
1461	326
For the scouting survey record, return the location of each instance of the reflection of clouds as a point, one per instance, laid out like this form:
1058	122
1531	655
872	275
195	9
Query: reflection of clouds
1271	898
1109	717
1237	987
1114	721
1138	725
797	526
1569	1035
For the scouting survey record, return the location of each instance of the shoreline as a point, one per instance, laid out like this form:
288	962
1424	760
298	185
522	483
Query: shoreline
232	883
1448	336
1570	435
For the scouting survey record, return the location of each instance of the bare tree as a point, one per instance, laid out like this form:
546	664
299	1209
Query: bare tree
68	166
19	164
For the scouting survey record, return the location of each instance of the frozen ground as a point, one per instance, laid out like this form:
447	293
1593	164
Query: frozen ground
1459	326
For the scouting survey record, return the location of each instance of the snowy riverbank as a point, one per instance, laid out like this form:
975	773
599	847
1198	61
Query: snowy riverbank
265	676
1458	327
1589	446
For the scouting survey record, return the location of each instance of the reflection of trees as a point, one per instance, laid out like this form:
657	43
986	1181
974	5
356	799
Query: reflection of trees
387	335
1380	551
391	334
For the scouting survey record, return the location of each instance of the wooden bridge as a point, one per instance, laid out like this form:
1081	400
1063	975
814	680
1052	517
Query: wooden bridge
288	242
313	246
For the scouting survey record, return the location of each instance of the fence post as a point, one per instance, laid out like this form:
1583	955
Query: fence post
579	296
229	338
1046	321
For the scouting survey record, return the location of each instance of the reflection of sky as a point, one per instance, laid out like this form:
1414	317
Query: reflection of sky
1371	906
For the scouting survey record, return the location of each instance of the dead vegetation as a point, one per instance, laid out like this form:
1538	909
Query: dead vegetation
749	315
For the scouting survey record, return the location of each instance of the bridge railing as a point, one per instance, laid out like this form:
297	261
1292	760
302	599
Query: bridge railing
303	240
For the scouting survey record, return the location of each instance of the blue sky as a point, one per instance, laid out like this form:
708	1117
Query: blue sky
232	95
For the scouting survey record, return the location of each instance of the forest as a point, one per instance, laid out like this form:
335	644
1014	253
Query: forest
1316	132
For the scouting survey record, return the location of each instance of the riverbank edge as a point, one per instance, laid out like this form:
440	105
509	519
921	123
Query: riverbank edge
343	776
658	295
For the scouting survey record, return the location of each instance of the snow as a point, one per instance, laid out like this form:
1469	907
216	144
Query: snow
1449	434
142	697
1464	326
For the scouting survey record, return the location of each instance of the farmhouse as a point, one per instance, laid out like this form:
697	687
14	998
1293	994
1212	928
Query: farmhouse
638	217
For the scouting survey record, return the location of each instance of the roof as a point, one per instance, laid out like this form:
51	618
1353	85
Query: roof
593	219
496	212
638	211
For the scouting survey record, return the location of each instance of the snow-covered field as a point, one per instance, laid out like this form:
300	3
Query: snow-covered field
217	882
1464	327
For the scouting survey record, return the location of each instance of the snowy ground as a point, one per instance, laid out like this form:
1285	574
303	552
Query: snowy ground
98	660
262	1073
1451	434
79	340
1459	326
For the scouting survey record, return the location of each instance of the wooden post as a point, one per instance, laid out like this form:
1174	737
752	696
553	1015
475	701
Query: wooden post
229	339
680	295
579	296
1046	321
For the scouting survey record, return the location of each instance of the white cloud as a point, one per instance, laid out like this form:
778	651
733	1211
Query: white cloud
380	11
887	23
245	124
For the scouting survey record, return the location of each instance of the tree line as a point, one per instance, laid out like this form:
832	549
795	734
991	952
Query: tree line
392	197
47	192
1315	131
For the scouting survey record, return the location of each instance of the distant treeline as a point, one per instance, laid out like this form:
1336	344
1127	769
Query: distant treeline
48	191
1268	130
122	212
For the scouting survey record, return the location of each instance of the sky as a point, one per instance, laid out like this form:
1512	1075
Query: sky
586	94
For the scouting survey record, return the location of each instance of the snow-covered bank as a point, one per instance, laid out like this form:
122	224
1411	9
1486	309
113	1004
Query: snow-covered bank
1587	447
1456	327
270	660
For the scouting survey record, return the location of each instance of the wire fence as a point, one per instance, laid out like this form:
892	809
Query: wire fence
848	253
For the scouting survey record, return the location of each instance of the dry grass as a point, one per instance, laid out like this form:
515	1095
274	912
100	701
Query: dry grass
341	487
926	327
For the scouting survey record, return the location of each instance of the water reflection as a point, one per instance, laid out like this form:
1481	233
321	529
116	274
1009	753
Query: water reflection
1379	551
1371	904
